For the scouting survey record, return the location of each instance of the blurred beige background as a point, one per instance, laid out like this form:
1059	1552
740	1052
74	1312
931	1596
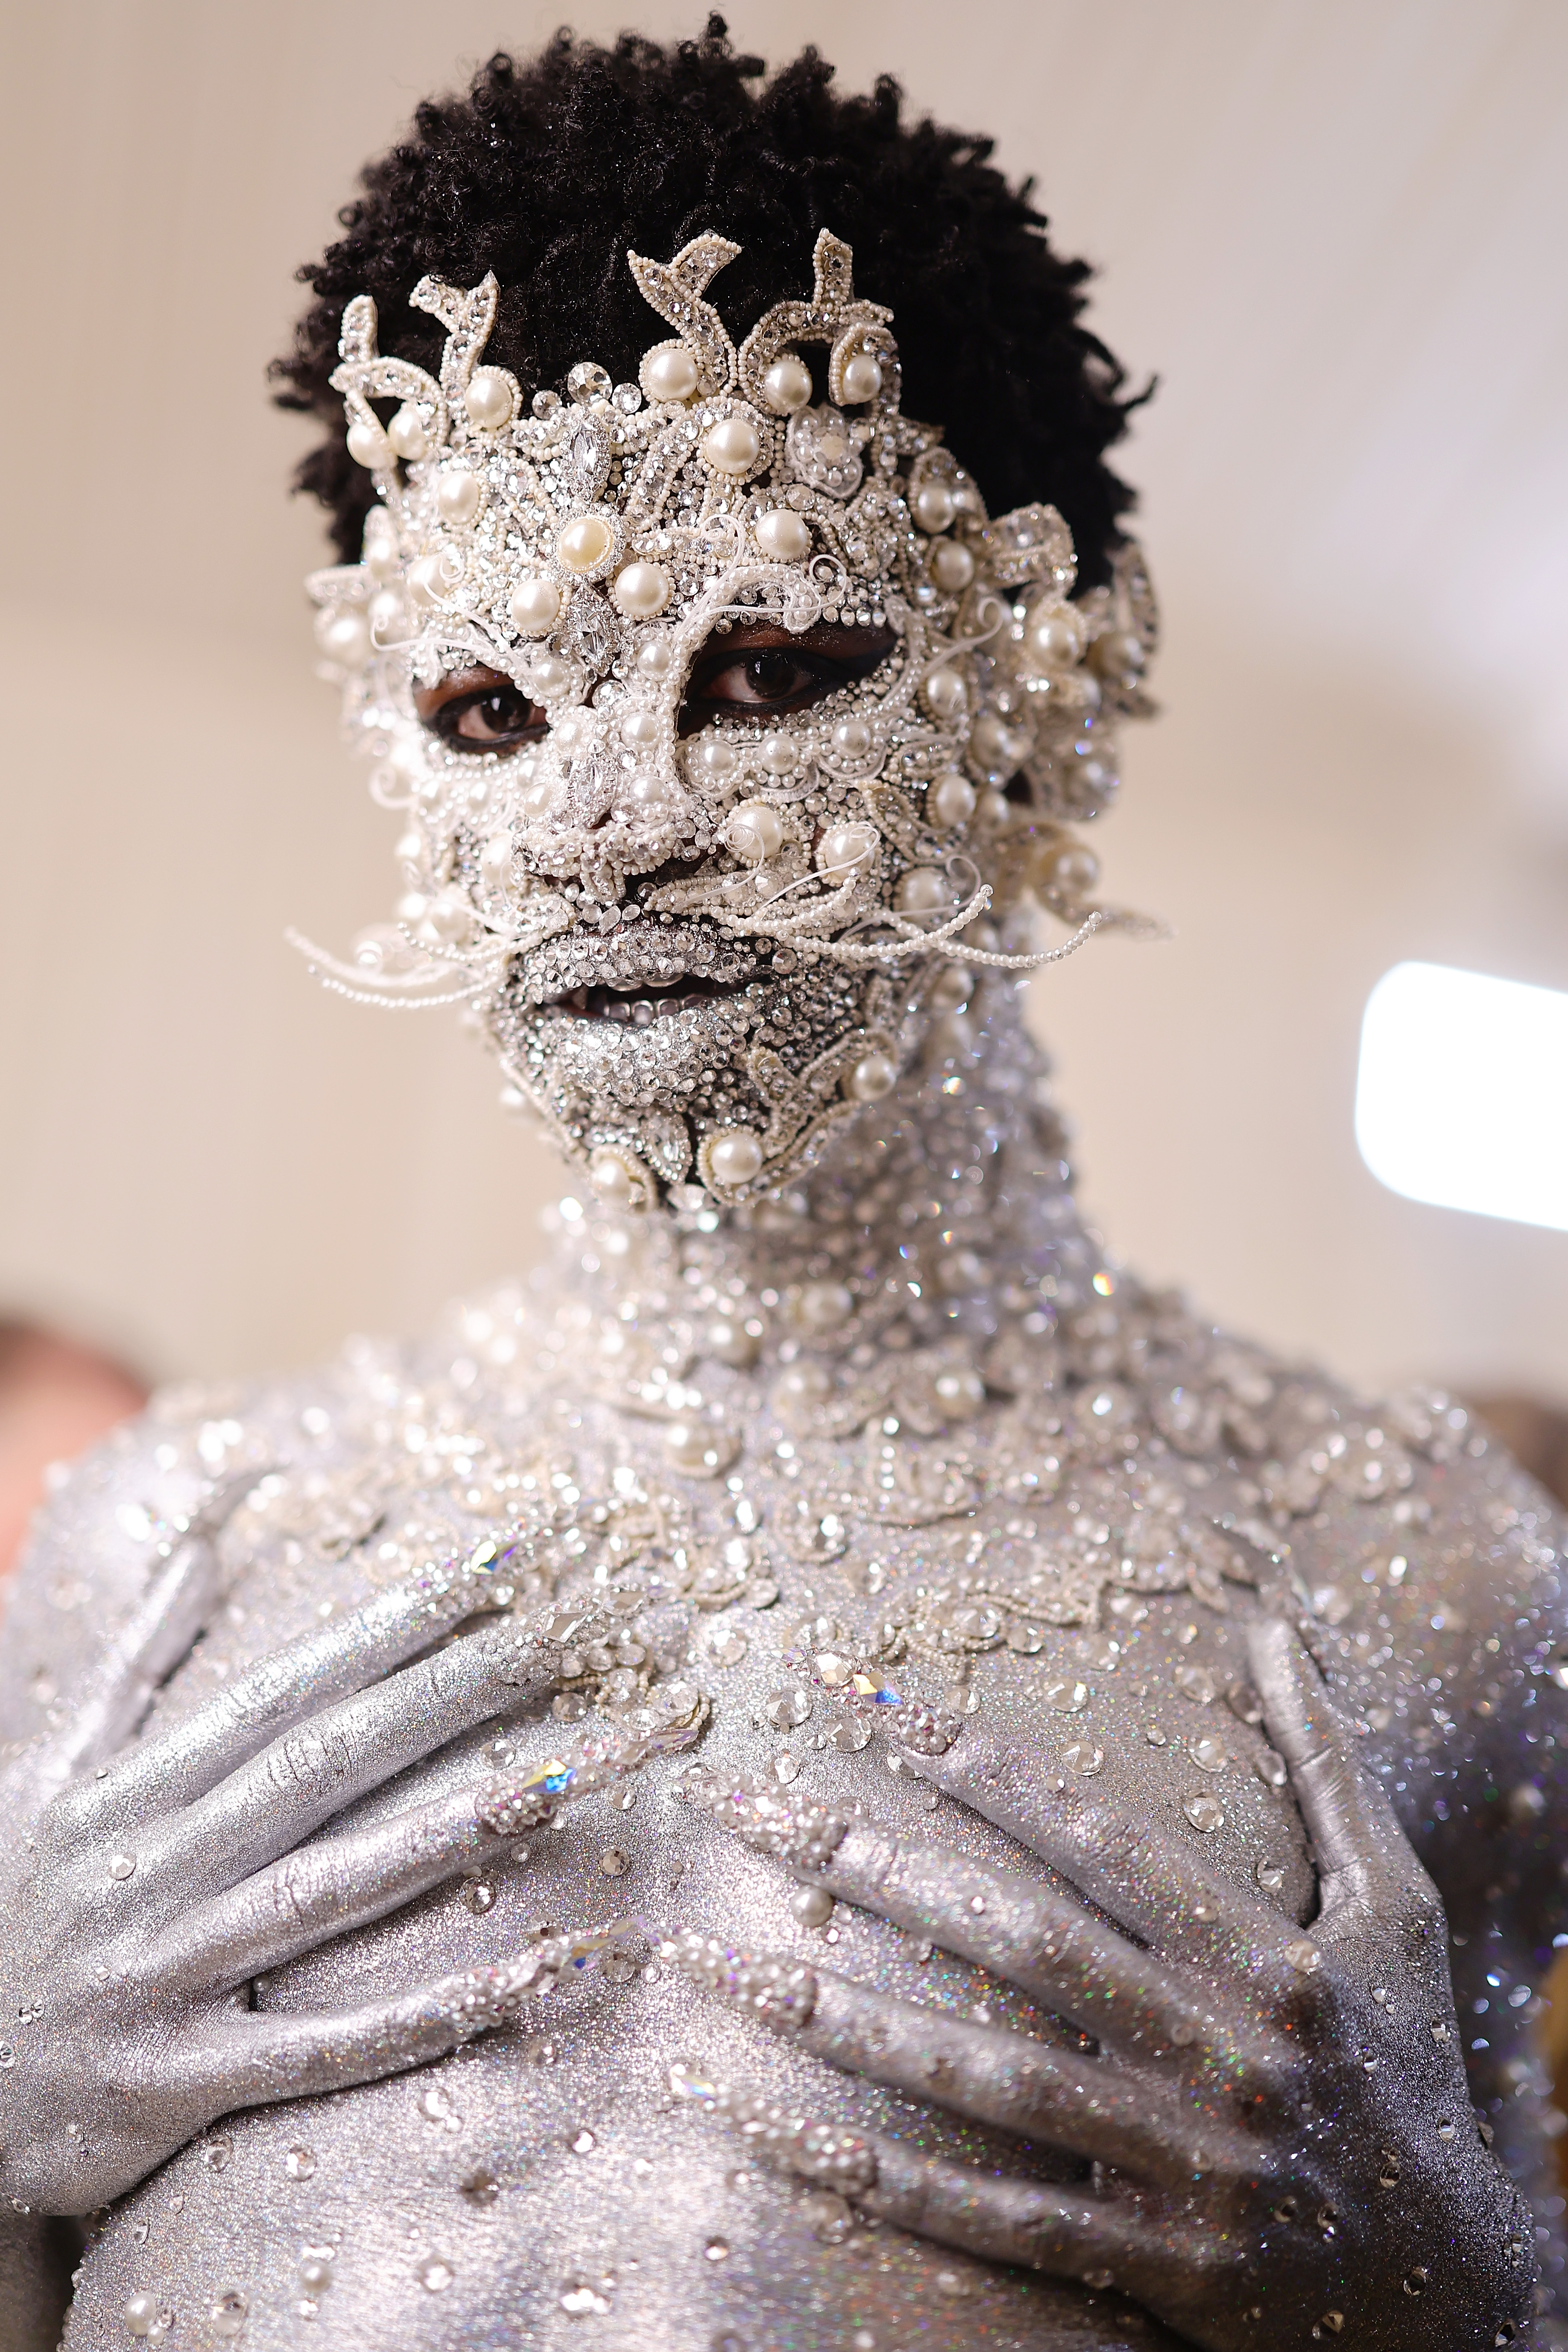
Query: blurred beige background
1336	233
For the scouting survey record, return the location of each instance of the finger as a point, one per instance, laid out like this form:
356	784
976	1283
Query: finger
261	2058
301	1781
1045	1943
1040	2228
990	2075
330	1662
1151	1883
321	1892
1363	1854
147	1647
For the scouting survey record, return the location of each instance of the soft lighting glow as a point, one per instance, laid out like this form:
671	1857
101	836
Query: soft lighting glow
1462	1093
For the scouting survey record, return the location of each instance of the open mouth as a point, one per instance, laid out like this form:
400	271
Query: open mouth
642	1006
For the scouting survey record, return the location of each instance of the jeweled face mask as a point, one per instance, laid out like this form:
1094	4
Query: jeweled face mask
725	720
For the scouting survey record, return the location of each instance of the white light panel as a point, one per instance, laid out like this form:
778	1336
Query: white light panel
1462	1093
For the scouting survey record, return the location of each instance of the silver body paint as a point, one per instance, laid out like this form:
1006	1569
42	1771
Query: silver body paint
542	2185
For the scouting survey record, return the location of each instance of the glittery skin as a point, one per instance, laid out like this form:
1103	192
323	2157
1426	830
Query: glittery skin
753	1793
1036	1507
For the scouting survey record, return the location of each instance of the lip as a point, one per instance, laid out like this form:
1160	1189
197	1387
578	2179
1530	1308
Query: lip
643	960
643	1007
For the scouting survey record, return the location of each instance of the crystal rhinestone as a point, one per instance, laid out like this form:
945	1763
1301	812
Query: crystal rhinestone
1205	1813
1068	1698
587	381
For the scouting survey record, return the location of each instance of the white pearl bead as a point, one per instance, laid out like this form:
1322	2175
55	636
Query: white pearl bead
787	386
733	446
387	615
613	1179
434	576
728	1338
783	534
945	693
655	658
648	788
449	915
861	379
641	590
933	506
670	374
852	737
535	605
960	1392
923	891
537	797
344	637
754	832
571	729
735	1157
549	676
995	810
368	445
824	1305
583	545
952	987
641	730
457	494
996	745
407	847
1056	639
843	849
495	858
408	435
950	801
715	758
489	400
952	566
779	755
700	1449
411	909
380	555
1072	870
871	1078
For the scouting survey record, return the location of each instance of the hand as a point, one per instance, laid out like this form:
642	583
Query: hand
136	1901
1282	2144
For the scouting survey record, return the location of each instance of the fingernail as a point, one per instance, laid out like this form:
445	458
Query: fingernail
780	1992
799	1832
816	2151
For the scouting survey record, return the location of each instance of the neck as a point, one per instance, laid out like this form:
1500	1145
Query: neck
938	1221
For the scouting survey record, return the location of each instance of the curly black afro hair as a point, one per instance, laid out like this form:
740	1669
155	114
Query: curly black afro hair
549	169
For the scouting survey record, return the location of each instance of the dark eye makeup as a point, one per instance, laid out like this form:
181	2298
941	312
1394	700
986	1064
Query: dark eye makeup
757	669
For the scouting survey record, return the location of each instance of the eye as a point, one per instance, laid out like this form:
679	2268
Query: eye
493	717
764	670
762	679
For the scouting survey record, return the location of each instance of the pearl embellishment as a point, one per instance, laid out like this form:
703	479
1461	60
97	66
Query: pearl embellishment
458	495
1056	639
655	658
952	566
996	745
783	534
535	605
852	738
613	1179
434	576
583	545
641	730
733	446
945	693
368	445
871	1078
641	590
933	506
786	386
735	1157
862	378
1072	870
714	758
779	755
489	400
951	803
408	435
670	374
843	849
923	891
344	637
754	832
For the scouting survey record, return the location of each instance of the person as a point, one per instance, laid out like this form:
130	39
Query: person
829	1769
